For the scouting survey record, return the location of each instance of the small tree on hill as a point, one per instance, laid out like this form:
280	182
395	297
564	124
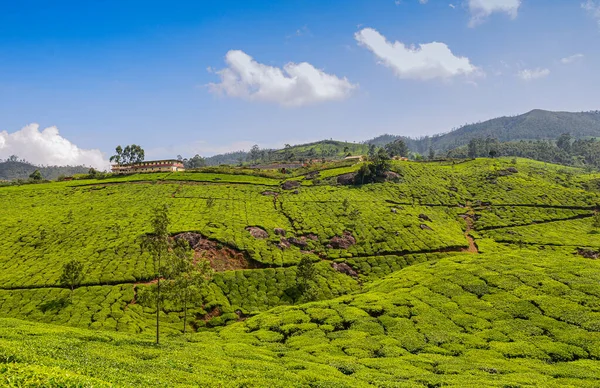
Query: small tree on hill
187	277
36	176
72	275
306	275
158	244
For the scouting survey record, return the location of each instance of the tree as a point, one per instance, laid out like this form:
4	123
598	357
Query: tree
397	148
564	142
372	151
306	275
158	244
381	162
255	153
118	155
186	276
36	176
431	155
196	162
72	275
375	168
130	154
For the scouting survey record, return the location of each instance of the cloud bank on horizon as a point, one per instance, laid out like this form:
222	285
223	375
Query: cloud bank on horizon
294	85
48	147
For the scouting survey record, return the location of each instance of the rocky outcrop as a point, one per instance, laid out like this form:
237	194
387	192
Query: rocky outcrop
344	241
346	179
290	185
345	269
257	232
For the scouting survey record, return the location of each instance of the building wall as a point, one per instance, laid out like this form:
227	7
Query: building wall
153	166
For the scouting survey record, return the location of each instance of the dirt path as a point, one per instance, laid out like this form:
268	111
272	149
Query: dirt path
469	221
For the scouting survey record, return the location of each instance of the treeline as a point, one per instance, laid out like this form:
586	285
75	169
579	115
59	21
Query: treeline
564	150
325	149
534	125
14	168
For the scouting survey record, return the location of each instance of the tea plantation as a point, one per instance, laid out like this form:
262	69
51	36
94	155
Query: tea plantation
456	274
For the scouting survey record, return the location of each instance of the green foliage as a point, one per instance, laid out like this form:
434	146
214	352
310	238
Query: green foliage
373	170
397	148
306	276
534	125
72	275
186	277
36	176
596	220
196	161
159	244
130	154
14	168
523	319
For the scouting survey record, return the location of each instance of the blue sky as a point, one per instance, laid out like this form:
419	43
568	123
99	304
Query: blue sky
212	76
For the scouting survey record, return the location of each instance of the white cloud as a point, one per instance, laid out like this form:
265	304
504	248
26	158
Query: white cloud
481	9
533	74
593	8
571	59
426	62
294	85
47	147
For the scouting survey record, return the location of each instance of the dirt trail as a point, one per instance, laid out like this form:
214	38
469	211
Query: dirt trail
469	221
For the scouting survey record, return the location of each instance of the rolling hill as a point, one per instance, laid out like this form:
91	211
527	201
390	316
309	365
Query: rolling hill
534	125
20	169
480	272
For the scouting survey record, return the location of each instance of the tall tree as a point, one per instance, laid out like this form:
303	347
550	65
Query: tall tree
187	277
397	148
195	162
254	154
564	142
130	154
72	275
158	244
118	156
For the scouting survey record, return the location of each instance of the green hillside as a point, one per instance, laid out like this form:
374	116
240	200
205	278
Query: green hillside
19	169
479	272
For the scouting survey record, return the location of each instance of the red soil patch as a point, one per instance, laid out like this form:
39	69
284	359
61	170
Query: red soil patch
221	257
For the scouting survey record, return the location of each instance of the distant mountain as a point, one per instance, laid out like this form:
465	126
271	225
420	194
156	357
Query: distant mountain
535	125
20	169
